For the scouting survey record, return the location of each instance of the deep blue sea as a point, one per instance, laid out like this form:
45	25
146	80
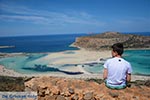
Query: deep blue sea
139	59
37	44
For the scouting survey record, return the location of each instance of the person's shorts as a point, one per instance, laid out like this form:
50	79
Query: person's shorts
118	87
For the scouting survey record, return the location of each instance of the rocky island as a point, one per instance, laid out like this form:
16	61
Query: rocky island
1	47
105	40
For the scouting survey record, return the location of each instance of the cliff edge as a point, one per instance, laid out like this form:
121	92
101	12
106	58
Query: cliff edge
105	40
50	88
56	88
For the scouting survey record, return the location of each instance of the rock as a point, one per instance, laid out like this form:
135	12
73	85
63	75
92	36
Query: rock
41	98
76	89
41	92
98	96
147	83
60	97
66	93
49	97
55	90
47	92
88	96
135	98
75	97
113	94
71	91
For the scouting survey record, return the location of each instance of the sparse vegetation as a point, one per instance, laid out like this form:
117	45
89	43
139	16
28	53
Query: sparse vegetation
105	40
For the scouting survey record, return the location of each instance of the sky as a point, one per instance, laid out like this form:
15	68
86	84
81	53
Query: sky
43	17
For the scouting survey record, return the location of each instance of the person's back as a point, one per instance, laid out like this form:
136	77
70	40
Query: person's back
117	70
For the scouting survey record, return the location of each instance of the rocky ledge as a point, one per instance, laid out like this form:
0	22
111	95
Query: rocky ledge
105	40
52	88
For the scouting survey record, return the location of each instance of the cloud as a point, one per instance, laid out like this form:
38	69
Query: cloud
43	17
134	21
34	19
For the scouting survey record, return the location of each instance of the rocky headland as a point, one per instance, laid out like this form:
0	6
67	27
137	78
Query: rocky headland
105	40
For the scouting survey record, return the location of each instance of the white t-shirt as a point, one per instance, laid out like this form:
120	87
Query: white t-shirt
118	68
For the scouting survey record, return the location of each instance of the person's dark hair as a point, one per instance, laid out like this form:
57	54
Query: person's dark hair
118	47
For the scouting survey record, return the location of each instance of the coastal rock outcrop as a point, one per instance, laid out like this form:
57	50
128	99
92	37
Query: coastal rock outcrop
52	88
105	40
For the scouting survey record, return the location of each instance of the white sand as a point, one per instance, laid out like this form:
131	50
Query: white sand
8	72
76	56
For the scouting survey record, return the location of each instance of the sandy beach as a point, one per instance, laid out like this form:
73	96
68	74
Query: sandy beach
72	57
76	56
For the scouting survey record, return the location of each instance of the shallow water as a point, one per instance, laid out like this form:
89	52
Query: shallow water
139	59
27	63
17	63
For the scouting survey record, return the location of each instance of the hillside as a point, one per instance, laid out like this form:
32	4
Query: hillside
105	40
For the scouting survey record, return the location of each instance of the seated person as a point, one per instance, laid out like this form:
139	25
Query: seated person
117	71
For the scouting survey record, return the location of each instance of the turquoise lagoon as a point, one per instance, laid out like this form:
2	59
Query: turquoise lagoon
27	63
19	62
139	59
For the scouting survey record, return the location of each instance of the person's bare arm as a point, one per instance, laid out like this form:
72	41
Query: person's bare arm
105	73
128	77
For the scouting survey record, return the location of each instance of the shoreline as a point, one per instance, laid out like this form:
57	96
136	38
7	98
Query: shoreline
72	45
85	75
78	57
137	49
